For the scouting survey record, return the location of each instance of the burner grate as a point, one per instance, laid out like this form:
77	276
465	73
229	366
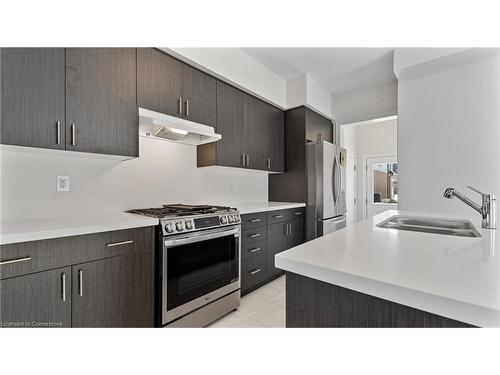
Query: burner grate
180	210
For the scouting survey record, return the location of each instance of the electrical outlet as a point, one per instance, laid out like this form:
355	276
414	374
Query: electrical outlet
62	183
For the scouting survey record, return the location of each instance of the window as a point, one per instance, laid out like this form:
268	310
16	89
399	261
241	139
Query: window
385	182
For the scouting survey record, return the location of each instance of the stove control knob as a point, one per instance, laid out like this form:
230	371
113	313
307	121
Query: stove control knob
223	220
168	228
236	218
188	225
230	218
178	226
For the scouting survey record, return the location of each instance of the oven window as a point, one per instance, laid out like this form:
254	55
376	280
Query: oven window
196	269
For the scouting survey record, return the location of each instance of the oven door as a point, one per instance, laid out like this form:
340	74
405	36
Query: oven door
199	268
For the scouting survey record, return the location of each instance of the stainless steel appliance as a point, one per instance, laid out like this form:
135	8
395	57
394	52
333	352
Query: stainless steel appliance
198	263
326	189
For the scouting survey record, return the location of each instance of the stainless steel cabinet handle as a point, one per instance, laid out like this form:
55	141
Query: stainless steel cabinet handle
290	228
17	260
278	216
268	163
58	132
119	243
254	220
253	272
73	134
298	213
80	283
63	287
180	105
248	160
254	250
187	107
243	159
254	235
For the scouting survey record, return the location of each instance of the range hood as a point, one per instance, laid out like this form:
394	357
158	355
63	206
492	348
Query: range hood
161	126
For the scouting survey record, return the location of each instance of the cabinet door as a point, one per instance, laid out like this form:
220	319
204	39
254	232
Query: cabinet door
275	137
317	124
276	243
159	82
101	111
255	133
114	292
37	300
199	92
230	108
32	97
296	233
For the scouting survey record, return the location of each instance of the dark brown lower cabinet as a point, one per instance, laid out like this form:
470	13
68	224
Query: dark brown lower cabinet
41	299
114	292
94	280
312	303
280	230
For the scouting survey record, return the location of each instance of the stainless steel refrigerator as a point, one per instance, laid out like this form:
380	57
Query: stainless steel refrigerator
326	189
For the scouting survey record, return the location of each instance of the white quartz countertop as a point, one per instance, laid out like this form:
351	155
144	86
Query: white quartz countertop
14	231
456	277
250	208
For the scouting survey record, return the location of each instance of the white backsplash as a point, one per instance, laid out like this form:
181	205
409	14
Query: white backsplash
165	172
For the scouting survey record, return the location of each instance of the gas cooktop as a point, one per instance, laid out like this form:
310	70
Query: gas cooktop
178	210
182	218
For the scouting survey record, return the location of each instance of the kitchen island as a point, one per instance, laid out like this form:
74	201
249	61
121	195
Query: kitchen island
367	276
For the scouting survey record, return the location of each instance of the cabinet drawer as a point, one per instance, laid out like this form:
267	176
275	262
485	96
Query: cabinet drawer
253	249
253	271
253	235
35	256
284	215
249	221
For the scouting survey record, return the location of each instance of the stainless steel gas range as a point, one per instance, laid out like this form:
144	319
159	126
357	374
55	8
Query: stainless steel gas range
198	263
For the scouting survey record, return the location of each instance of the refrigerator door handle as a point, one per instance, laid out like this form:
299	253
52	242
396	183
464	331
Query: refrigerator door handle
336	191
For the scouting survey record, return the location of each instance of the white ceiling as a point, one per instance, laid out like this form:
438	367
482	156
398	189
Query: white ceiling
336	69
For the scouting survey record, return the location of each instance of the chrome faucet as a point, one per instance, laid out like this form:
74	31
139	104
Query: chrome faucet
488	209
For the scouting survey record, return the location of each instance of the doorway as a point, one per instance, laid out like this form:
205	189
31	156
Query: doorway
381	184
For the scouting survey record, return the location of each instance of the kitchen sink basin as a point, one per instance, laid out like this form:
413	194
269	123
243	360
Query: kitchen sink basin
452	227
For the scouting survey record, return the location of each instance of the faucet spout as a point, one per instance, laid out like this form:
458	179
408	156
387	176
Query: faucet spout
487	209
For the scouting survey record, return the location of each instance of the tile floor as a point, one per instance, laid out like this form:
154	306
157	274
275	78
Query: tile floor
264	307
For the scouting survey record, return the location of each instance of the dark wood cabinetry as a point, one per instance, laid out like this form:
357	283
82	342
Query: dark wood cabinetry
95	280
283	229
78	99
114	292
252	133
167	85
159	82
312	303
101	113
301	125
32	97
38	300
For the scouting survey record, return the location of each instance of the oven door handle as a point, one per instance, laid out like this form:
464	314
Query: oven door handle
201	237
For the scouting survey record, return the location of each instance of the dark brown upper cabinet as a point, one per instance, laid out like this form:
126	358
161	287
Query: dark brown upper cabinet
77	99
252	133
159	82
101	112
169	86
199	93
275	136
32	97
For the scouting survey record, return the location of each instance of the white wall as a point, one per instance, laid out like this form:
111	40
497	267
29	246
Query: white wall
166	172
366	104
449	134
365	139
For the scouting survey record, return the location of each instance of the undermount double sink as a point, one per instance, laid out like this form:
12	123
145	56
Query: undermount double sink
452	227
